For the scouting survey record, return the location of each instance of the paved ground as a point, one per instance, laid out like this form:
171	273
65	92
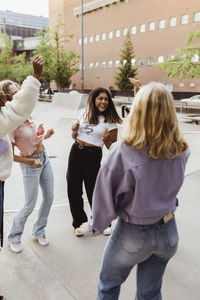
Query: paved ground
68	268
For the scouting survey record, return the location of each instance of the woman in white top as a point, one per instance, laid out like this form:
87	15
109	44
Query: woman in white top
95	127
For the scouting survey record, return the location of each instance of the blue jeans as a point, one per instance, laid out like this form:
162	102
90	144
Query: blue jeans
33	177
149	247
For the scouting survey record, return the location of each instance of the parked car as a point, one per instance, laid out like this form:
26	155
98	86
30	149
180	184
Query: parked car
192	100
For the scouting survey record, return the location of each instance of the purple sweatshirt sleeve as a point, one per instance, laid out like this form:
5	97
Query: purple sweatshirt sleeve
104	209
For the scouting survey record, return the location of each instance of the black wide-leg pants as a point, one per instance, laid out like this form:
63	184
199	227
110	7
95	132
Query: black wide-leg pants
83	166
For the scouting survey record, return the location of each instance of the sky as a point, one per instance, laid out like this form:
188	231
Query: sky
35	7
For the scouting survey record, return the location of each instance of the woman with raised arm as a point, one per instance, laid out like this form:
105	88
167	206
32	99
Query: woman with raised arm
12	114
37	171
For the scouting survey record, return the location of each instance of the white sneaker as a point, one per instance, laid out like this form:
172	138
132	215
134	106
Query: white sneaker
42	240
107	231
78	233
16	247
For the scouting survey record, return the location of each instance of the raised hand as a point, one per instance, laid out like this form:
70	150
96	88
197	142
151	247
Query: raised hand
38	64
137	84
75	126
49	133
105	135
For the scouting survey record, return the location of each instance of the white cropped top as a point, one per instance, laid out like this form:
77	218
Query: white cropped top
92	133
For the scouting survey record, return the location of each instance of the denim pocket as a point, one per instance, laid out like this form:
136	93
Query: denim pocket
132	237
170	234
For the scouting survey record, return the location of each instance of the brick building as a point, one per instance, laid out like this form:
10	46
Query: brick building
158	29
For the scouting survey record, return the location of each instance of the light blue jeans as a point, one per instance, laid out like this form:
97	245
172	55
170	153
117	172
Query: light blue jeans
149	247
33	177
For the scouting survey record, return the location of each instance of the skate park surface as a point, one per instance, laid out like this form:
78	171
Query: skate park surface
68	268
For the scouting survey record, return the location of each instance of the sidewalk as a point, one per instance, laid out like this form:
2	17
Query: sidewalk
69	267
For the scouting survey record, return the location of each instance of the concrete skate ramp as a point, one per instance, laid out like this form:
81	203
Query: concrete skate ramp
71	101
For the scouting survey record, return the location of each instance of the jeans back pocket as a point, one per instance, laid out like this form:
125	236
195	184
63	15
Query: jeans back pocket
170	234
132	237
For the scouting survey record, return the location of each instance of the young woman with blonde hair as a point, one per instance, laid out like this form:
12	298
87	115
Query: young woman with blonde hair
139	183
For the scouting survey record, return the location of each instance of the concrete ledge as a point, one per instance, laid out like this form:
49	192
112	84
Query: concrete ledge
72	100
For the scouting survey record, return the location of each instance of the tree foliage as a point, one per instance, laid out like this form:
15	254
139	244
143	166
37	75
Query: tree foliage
126	68
186	63
21	68
6	46
60	62
12	67
44	49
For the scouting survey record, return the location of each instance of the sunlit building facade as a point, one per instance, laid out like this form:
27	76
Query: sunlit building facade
157	28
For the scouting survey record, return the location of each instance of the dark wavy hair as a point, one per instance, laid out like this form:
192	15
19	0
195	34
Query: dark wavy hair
92	112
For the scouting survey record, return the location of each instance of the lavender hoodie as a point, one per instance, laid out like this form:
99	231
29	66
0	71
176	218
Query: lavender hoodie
134	187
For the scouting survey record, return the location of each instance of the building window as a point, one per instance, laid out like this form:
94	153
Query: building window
117	33
142	28
133	61
162	24
192	84
110	35
97	38
185	19
85	40
150	61
91	39
96	66
117	63
172	22
140	61
125	31
181	84
103	36
79	41
197	17
133	30
169	87
91	65
110	64
103	65
160	59
152	26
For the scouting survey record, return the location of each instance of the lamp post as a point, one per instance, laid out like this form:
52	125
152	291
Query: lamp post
82	50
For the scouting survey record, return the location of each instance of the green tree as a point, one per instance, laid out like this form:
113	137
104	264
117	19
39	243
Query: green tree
45	49
60	63
64	60
186	63
6	46
21	68
126	68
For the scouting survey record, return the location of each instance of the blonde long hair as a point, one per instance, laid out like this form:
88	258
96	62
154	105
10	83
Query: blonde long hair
152	123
